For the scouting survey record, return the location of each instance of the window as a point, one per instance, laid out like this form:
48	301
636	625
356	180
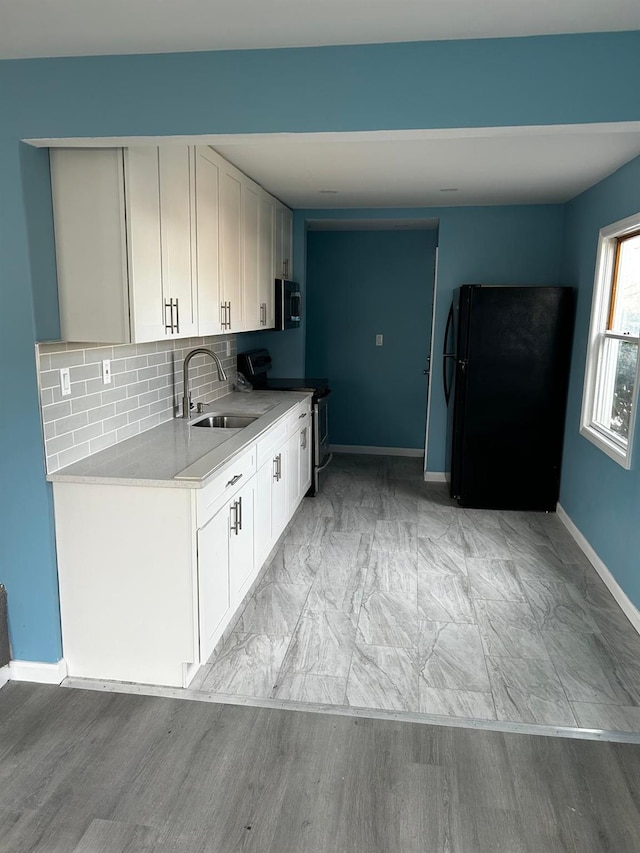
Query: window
611	380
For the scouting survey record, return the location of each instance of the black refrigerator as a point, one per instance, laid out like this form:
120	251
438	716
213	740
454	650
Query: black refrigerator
505	370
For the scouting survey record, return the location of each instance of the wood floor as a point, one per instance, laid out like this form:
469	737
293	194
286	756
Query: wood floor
89	772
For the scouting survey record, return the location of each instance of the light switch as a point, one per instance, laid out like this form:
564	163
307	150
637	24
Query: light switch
65	381
378	340
106	372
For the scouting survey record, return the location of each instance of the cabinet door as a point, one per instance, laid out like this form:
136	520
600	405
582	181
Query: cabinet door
279	516
146	291
266	240
293	473
278	257
262	529
250	223
213	580
176	238
207	183
287	242
241	562
304	472
231	248
91	244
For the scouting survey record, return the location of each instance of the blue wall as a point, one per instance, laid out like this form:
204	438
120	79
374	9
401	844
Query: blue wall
601	497
562	79
518	244
359	284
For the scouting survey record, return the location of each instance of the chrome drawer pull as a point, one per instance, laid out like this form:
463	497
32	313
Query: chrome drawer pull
234	480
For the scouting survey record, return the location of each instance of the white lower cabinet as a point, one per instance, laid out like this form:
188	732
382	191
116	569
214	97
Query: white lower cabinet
225	565
306	453
241	531
214	599
300	454
150	577
271	502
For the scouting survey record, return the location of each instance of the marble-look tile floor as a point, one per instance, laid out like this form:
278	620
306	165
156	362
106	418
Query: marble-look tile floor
384	594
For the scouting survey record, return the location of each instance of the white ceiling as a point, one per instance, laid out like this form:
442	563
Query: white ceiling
33	28
411	168
423	168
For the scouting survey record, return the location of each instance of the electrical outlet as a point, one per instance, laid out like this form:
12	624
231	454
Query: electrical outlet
106	372
228	343
65	381
378	340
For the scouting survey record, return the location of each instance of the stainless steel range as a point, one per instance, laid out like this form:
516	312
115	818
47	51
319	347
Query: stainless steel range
255	366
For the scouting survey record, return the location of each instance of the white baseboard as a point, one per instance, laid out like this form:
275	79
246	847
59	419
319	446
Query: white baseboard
435	477
41	673
4	676
627	606
377	451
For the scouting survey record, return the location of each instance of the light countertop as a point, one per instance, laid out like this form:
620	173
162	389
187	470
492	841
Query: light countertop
176	454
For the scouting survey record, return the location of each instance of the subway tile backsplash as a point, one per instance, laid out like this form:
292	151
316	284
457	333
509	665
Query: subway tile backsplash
145	390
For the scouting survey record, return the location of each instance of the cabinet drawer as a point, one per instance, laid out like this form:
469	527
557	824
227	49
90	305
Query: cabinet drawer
271	441
299	417
225	483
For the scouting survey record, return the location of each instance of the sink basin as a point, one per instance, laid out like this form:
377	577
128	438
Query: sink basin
225	421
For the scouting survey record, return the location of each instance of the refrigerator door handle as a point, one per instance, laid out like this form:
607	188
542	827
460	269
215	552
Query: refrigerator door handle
446	356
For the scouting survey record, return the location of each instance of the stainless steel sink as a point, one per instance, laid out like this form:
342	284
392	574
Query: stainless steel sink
225	421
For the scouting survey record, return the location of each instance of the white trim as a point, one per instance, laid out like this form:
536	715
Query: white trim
438	133
619	451
377	451
4	676
627	606
349	711
435	477
40	673
433	335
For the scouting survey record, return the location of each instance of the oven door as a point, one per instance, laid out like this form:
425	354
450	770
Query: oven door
321	453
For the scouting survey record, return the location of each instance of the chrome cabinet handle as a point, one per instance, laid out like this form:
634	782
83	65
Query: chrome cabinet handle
222	316
303	438
277	461
303	415
239	502
168	326
234	480
233	527
177	326
228	315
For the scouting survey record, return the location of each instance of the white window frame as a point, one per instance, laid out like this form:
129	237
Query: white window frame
606	440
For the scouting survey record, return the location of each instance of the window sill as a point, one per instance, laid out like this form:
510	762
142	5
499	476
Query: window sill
613	450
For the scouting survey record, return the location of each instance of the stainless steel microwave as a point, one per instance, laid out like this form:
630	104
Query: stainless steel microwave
288	304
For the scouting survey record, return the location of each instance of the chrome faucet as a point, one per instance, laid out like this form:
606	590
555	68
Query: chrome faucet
186	399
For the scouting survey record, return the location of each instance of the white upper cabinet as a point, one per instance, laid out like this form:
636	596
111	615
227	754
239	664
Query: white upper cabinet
166	242
283	242
123	221
259	222
231	249
177	213
207	186
266	254
250	228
